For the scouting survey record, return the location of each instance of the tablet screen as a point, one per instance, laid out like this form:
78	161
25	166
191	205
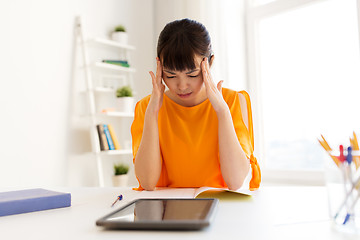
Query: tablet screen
161	213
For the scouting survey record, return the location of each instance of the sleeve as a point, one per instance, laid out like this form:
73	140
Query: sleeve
245	137
256	172
137	129
242	132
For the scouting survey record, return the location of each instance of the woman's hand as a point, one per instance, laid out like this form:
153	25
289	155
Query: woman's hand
158	88
213	92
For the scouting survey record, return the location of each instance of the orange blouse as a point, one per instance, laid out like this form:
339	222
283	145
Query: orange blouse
189	140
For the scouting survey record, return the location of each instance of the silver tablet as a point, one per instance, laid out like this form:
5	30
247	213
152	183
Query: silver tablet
169	214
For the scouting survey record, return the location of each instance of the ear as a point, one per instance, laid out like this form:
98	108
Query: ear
211	60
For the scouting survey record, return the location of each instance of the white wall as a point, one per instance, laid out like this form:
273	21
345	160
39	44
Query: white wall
39	145
36	47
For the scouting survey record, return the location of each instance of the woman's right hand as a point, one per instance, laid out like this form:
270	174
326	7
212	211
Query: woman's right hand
158	88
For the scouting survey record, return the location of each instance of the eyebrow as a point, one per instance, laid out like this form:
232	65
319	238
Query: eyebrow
186	73
192	71
169	72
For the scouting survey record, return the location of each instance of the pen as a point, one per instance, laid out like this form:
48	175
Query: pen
355	185
349	159
347	217
118	198
341	156
342	159
349	177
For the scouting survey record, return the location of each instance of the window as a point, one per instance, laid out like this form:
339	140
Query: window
309	79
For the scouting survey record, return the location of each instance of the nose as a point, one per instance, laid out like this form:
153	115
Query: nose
182	84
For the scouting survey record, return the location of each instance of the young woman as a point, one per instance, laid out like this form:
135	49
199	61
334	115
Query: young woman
191	135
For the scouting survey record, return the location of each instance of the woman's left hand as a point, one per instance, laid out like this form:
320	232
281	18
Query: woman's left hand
214	93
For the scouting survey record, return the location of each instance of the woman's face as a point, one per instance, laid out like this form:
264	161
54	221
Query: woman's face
186	87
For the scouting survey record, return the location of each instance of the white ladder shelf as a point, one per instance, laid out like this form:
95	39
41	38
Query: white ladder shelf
91	92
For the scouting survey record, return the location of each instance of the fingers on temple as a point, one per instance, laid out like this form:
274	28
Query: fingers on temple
152	77
158	70
204	70
206	75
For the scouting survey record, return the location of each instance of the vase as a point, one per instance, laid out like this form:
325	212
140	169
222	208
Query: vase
125	104
121	37
120	180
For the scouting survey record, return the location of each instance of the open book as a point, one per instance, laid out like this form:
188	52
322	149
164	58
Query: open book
203	192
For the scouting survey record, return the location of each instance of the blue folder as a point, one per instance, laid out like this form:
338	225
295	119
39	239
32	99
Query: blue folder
31	200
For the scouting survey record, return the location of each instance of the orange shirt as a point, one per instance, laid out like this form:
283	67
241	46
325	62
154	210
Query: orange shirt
189	140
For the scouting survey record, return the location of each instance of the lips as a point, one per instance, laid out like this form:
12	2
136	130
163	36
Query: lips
184	95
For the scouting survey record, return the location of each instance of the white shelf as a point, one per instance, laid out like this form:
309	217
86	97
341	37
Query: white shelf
97	76
111	43
104	90
116	152
117	114
113	67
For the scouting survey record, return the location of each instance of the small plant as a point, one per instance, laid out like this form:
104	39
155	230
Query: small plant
119	28
125	91
121	169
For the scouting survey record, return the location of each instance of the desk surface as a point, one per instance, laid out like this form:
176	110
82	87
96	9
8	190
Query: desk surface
272	213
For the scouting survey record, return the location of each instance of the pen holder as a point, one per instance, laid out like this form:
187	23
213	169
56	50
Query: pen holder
343	188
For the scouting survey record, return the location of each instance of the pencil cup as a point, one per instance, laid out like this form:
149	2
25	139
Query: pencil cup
343	188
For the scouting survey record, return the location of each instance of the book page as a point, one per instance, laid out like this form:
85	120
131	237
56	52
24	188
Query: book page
168	193
222	193
203	192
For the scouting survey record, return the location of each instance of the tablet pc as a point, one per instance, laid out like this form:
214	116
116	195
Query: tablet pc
169	214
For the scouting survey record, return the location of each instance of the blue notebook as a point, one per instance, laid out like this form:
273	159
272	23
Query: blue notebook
32	200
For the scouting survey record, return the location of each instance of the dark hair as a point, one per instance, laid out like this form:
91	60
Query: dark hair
180	41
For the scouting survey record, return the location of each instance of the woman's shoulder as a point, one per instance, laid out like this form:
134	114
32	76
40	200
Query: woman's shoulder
142	103
228	91
229	95
141	106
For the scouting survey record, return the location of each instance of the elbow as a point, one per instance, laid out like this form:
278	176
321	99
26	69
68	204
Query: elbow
237	182
148	183
235	186
148	187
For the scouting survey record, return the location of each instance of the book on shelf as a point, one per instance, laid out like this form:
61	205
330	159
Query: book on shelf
122	63
102	137
114	137
108	137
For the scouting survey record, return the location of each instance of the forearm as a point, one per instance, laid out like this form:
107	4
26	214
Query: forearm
233	161
147	160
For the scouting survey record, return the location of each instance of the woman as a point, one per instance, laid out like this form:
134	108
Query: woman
191	135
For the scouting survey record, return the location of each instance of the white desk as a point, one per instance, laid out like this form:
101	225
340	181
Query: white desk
272	213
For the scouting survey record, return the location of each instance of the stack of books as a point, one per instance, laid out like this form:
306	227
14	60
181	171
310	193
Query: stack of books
107	137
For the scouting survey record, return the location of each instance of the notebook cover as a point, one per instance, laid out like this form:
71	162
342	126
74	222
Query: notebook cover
31	200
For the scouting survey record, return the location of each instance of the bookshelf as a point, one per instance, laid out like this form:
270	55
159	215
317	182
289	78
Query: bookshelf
99	86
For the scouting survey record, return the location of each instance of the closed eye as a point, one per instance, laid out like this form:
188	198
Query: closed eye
170	76
194	76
